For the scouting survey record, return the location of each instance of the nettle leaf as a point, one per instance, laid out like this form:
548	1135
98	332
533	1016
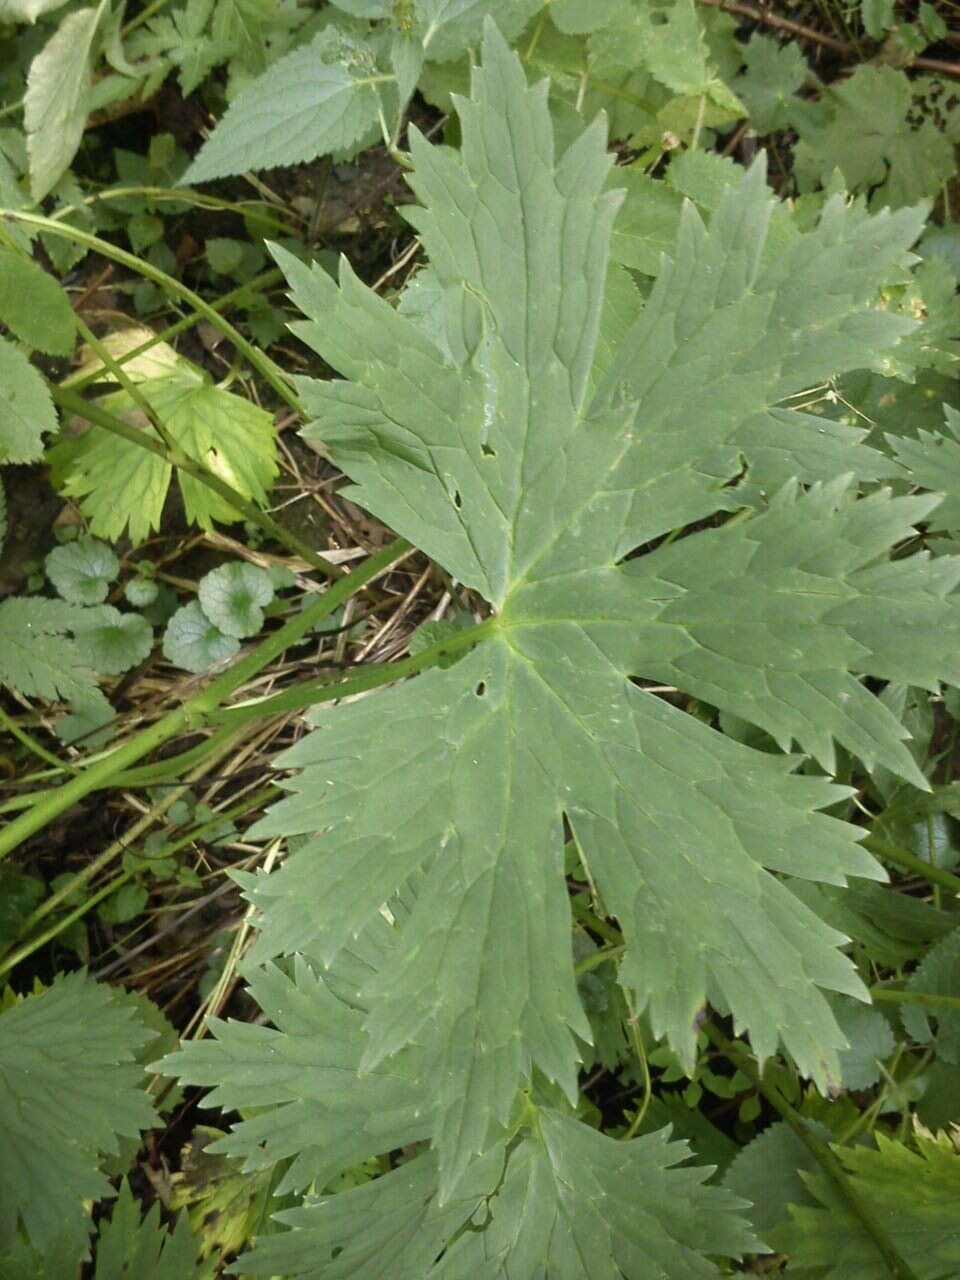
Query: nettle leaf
495	459
319	99
233	596
33	306
123	487
68	1088
831	1243
195	643
82	570
768	1171
26	407
559	1192
57	100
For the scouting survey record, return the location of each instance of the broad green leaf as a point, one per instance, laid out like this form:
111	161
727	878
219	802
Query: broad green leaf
123	487
875	143
128	1246
68	1088
26	409
557	1194
57	99
241	25
491	453
319	99
913	1193
233	597
33	306
82	570
937	974
772	75
193	642
38	654
768	1172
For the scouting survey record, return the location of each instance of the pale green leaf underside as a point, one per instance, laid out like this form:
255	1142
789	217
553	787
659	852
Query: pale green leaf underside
68	1088
56	102
565	1202
492	451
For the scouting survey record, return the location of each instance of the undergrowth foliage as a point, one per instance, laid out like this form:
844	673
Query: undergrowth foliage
570	953
452	1014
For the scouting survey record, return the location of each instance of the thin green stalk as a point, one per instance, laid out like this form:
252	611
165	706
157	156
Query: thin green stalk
311	692
893	996
184	195
176	457
910	862
899	1268
33	944
32	745
261	362
197	710
223	303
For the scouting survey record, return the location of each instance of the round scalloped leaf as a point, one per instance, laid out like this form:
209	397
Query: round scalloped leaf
193	642
141	592
117	641
82	571
233	595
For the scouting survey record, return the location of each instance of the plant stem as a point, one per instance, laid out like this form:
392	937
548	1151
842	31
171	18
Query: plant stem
223	303
261	362
37	748
73	403
196	710
899	1268
910	862
892	996
310	692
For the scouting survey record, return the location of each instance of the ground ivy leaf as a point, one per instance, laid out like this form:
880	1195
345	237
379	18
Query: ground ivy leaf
26	409
232	597
114	642
195	643
491	450
82	570
68	1088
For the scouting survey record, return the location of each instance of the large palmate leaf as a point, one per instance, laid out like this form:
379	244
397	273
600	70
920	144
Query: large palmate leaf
500	453
557	1195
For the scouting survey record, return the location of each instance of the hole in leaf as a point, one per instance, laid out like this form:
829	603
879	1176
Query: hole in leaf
457	500
481	689
487	451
